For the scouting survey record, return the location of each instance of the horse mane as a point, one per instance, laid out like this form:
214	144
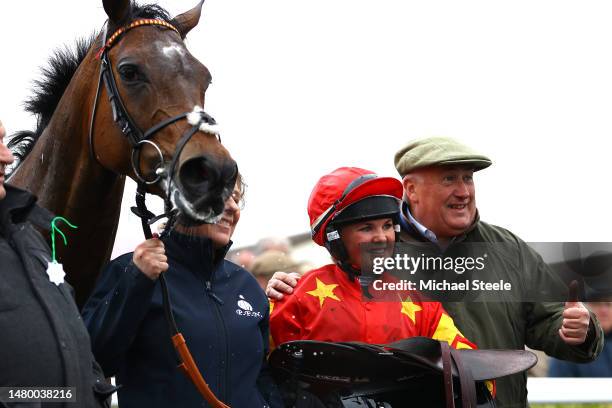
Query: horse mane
55	77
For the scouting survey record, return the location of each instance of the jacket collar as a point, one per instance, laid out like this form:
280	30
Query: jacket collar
409	228
195	252
16	206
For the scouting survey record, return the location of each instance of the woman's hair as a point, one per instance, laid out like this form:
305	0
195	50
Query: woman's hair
242	187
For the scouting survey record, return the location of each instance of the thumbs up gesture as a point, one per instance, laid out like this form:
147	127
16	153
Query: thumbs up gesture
576	319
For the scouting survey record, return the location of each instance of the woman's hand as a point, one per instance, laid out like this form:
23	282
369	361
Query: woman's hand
150	258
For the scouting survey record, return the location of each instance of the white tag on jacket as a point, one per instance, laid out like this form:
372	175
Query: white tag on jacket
56	272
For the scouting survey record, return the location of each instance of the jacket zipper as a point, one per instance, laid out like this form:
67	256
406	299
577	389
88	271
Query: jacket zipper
212	294
224	386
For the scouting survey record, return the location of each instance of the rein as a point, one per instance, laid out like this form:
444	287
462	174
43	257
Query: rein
199	120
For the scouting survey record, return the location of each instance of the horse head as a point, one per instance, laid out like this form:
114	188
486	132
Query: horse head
125	103
156	89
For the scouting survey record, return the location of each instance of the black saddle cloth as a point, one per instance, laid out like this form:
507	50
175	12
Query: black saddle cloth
401	374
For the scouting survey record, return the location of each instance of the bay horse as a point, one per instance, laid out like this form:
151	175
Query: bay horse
127	102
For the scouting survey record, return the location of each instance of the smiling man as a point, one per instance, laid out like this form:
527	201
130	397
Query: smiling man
440	207
442	197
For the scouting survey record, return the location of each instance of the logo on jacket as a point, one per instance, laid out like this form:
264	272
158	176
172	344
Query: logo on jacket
245	308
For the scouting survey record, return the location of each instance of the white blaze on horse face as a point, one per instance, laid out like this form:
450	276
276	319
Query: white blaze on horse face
173	50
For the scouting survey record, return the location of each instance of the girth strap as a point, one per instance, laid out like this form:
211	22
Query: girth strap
467	386
447	374
466	381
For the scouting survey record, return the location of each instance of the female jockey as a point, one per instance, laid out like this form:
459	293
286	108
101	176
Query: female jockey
347	208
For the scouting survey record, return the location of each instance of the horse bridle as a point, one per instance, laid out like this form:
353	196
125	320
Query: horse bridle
199	120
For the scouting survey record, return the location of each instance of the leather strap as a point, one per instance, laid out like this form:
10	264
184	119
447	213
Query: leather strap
466	381
189	367
447	374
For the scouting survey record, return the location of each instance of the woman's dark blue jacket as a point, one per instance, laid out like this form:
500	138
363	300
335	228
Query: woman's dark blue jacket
220	309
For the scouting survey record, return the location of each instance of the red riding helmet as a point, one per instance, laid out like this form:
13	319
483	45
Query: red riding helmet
350	194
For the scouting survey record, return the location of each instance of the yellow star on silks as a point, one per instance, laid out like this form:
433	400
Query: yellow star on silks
410	309
324	291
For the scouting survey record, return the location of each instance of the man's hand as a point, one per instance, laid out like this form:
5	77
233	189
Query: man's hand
281	283
576	319
150	258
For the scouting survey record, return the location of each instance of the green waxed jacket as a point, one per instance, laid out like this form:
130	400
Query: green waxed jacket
511	324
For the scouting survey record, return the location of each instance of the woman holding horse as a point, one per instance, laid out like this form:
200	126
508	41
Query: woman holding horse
219	307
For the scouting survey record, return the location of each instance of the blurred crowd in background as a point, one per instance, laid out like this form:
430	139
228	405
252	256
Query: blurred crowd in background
271	254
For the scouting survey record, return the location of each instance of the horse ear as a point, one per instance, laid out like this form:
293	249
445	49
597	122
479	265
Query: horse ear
117	10
186	21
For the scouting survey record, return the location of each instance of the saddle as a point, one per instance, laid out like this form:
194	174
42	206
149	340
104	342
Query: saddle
417	371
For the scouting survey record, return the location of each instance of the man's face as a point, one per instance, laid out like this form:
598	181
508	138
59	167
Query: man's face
442	198
6	157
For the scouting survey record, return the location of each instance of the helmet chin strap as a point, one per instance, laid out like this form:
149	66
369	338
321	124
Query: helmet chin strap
350	270
335	246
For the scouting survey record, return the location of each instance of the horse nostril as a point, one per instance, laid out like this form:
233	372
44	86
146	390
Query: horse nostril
205	182
197	176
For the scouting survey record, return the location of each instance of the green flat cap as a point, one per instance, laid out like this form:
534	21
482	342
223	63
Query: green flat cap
437	151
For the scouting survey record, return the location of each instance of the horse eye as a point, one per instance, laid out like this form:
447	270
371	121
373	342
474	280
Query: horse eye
130	73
